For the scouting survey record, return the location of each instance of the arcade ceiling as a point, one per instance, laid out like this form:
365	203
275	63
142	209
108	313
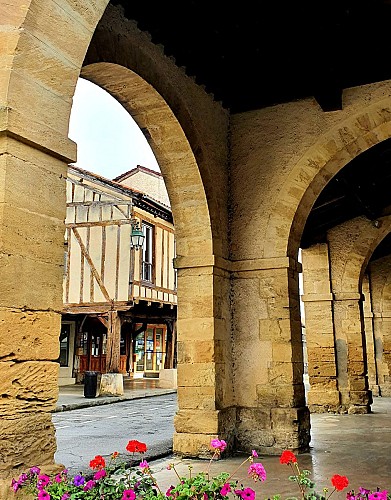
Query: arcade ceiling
252	54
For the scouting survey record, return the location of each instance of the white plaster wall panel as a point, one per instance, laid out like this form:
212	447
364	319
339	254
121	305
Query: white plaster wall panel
74	270
86	283
111	260
82	213
158	256
94	213
78	193
89	195
124	264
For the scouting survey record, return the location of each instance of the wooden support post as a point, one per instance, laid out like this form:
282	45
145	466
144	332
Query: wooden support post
170	344
113	343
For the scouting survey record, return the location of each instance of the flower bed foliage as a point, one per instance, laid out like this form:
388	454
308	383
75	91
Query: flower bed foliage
116	480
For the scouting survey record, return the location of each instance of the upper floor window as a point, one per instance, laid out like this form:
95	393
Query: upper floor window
146	269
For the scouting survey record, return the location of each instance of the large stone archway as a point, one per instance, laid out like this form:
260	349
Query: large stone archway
281	159
36	102
192	152
334	288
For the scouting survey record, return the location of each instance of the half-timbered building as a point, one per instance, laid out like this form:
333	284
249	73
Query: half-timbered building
120	302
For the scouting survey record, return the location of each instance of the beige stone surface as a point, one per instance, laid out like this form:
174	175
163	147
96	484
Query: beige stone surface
28	387
34	335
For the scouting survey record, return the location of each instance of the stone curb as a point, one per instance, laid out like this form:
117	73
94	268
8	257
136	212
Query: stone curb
107	400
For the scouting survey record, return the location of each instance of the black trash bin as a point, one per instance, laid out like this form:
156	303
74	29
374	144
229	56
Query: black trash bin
90	384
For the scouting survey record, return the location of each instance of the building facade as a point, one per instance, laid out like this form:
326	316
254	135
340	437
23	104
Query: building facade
119	303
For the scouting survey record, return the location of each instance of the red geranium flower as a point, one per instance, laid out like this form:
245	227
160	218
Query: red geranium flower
287	457
136	447
98	462
339	482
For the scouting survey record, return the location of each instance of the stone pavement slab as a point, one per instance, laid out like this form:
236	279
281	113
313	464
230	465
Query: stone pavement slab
72	396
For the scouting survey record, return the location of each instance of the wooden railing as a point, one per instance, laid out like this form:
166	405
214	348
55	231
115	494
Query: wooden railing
98	364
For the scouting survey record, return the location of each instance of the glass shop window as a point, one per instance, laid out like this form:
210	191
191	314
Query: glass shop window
65	336
146	271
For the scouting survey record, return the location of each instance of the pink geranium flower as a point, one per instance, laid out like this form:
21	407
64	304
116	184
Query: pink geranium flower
144	465
257	471
218	444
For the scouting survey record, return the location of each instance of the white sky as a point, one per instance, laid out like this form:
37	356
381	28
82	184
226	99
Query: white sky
109	142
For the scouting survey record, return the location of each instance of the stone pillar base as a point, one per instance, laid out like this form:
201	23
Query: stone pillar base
111	384
272	430
375	390
168	378
385	390
193	445
323	400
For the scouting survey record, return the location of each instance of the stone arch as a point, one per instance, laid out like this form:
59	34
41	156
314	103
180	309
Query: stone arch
351	245
336	147
356	241
188	132
380	279
171	148
338	357
37	151
204	124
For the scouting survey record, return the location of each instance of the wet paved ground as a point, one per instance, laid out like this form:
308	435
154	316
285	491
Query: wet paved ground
357	446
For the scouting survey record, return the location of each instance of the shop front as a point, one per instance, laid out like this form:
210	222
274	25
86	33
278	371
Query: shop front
149	351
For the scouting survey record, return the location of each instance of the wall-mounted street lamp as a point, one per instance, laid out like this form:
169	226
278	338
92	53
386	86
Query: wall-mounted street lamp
136	236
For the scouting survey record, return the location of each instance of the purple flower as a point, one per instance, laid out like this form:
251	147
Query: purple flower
363	491
15	485
35	470
168	492
43	480
66	496
78	480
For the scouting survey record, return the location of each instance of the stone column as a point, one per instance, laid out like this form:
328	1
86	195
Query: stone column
323	394
369	337
32	201
204	364
268	356
381	297
382	327
350	349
